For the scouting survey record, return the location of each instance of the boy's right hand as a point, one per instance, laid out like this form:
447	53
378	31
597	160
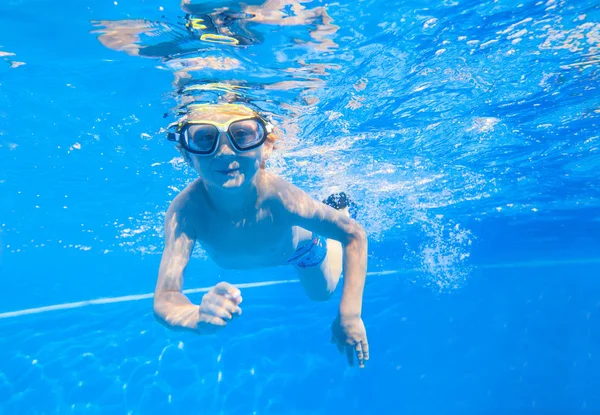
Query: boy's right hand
219	305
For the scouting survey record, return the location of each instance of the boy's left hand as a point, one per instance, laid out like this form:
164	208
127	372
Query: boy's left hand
349	335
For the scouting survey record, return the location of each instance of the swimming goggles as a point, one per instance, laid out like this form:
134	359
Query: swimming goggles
202	137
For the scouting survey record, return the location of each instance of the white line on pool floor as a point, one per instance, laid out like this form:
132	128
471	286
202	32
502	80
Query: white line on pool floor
137	297
127	298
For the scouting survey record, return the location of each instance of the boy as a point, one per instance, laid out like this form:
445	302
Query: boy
246	217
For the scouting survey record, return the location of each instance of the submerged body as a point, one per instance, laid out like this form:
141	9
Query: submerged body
245	217
259	236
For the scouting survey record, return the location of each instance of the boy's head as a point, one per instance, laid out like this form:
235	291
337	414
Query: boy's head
226	144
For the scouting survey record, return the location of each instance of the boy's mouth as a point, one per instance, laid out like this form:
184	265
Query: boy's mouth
229	171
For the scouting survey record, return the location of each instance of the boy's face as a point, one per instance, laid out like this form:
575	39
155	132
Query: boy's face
226	167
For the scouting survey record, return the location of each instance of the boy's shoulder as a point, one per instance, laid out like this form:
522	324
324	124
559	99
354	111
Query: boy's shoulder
282	194
274	188
187	208
273	183
190	198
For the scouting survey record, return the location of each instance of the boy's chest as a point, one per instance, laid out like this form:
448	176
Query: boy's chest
249	243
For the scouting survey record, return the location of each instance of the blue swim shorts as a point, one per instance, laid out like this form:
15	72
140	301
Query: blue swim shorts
310	253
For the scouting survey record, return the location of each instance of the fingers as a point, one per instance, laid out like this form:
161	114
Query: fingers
215	310
360	349
365	349
359	354
215	321
362	353
224	288
223	302
220	304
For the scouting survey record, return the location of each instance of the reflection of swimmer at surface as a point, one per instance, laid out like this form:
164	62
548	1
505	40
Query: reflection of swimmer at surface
246	217
220	26
271	12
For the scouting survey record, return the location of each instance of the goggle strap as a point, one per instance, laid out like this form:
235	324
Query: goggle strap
173	136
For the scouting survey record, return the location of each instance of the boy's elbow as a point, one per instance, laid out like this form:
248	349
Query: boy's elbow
161	313
157	309
158	298
160	306
358	235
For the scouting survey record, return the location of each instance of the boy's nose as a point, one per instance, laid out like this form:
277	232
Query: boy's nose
224	148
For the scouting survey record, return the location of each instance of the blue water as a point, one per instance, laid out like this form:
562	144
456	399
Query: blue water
466	132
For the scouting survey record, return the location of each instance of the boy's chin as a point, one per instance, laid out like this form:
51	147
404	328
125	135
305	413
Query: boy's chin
228	181
233	182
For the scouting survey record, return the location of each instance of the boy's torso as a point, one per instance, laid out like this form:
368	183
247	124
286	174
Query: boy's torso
255	243
261	238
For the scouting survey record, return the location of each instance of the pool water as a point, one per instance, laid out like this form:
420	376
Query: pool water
466	132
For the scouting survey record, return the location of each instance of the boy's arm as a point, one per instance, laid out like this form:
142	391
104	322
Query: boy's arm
322	219
170	305
348	329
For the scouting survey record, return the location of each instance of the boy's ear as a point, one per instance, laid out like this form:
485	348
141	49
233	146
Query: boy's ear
268	147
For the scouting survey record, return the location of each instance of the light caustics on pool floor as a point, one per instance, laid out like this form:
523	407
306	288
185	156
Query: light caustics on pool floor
137	297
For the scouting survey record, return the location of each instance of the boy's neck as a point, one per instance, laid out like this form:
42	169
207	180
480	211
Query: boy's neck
234	203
